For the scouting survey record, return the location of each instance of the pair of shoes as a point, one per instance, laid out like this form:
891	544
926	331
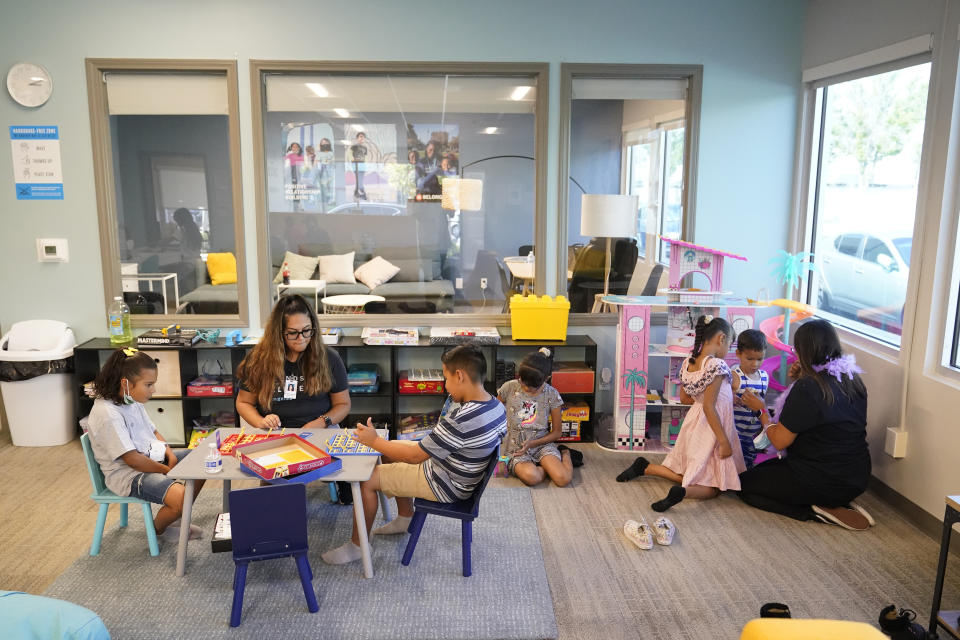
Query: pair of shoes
775	610
851	519
643	535
576	457
891	621
863	512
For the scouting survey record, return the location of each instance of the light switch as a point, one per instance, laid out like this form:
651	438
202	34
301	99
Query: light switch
52	250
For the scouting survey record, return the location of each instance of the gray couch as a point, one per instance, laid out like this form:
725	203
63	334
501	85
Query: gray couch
207	297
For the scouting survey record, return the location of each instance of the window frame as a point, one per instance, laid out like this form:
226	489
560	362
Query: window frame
105	182
259	69
693	74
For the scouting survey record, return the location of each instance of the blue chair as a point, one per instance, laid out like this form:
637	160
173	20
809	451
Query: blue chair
105	498
267	523
464	510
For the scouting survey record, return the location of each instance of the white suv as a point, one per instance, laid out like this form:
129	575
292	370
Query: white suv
865	277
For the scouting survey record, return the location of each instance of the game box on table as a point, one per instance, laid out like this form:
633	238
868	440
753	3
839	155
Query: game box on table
286	459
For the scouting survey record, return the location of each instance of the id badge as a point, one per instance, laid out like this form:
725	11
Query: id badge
290	388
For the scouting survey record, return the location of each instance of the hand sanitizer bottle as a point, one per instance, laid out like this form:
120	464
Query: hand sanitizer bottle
213	463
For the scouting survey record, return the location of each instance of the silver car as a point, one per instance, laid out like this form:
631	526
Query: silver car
864	276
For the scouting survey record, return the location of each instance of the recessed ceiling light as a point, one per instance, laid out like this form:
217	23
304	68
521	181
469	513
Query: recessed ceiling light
357	127
343	113
346	142
520	93
318	89
490	130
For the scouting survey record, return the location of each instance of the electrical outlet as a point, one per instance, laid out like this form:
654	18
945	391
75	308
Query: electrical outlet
483	283
459	283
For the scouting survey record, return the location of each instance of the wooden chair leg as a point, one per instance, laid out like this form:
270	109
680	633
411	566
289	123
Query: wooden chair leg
239	582
123	514
416	524
466	534
303	566
98	532
151	530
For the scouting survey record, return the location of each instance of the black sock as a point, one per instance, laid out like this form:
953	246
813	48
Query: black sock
576	457
635	470
674	496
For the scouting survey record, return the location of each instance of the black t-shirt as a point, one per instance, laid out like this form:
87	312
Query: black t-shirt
830	450
294	413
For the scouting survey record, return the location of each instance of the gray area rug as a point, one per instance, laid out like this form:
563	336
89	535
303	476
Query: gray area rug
507	596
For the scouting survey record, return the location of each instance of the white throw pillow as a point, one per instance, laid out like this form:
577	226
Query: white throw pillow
337	268
301	267
376	272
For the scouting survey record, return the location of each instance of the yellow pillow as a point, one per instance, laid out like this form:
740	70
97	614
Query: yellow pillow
222	268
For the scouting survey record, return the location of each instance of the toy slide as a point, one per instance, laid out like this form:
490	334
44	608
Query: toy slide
771	328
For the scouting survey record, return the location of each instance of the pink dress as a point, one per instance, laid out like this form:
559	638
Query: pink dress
695	455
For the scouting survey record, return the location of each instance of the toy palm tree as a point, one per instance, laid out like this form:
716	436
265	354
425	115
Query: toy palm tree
634	378
789	269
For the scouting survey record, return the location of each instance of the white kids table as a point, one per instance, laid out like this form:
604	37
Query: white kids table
354	469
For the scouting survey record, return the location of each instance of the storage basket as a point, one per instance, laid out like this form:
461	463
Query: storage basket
539	317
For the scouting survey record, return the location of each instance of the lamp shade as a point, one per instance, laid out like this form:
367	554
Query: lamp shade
608	215
465	194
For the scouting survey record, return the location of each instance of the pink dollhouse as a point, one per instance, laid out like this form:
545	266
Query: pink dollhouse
686	257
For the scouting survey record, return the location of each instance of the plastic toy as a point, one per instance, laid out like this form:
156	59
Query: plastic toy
687	258
234	338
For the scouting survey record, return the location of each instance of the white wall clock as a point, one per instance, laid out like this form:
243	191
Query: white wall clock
29	84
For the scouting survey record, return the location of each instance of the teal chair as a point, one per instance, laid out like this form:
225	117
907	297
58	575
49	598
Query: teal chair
104	497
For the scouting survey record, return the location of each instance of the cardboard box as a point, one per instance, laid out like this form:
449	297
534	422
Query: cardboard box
209	388
572	417
572	377
420	381
286	457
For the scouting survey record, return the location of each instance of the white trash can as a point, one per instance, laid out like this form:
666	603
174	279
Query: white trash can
40	409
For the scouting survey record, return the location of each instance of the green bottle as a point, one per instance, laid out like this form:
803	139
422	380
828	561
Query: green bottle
118	322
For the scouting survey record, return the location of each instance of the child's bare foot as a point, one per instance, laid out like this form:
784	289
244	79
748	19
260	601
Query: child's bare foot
635	470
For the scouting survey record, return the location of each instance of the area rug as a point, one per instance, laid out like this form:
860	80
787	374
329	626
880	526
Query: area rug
139	596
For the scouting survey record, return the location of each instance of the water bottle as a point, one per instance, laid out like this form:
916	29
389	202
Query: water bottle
118	322
286	273
213	463
530	257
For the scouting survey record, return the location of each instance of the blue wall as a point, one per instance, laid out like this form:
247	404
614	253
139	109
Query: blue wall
750	50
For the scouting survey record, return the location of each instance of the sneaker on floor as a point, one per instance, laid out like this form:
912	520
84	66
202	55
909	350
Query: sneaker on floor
842	516
664	530
775	610
864	512
172	532
639	533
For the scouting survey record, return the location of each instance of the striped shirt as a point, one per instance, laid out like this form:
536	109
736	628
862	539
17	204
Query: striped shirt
460	447
748	425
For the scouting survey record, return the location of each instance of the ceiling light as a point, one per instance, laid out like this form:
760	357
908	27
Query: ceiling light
318	89
520	93
357	127
343	113
490	130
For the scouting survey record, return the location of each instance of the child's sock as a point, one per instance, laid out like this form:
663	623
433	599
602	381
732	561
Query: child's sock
397	525
635	470
172	532
576	457
347	552
674	496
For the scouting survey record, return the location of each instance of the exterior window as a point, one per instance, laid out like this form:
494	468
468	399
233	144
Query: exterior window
864	171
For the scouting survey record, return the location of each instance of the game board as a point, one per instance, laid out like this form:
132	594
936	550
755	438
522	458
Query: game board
343	445
226	447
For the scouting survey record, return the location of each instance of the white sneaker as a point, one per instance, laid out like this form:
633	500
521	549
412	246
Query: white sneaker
664	530
863	512
639	533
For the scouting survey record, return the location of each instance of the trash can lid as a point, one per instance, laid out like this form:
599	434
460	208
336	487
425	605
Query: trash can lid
37	340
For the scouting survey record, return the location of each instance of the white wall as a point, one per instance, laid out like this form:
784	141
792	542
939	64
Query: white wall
927	406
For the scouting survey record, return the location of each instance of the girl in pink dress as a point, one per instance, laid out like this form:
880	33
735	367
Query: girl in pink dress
703	462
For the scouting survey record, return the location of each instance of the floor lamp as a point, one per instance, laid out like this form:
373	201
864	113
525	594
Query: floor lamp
608	216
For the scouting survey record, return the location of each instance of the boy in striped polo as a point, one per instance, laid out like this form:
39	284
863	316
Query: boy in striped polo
751	349
446	465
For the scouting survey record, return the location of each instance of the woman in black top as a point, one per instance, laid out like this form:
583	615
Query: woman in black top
290	379
823	428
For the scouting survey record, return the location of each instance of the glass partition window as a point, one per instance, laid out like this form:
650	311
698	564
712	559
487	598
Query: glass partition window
412	192
864	178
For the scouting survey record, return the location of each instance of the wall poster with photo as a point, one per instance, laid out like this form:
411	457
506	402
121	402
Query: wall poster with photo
309	176
370	151
433	153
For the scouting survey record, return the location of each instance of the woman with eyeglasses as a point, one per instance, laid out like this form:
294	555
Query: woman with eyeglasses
290	379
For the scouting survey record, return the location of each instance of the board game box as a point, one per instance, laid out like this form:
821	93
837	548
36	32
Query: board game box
238	439
420	381
286	457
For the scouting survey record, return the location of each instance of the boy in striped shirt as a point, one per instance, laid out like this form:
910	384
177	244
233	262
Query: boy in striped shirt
446	465
751	349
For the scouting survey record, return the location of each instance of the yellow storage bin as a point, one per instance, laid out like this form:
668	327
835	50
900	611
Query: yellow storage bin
539	317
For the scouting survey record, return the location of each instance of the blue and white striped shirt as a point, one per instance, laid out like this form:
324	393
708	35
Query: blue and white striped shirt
460	446
748	425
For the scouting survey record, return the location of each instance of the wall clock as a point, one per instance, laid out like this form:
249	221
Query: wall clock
29	84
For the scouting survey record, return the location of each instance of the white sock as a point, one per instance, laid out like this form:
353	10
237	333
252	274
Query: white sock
173	531
397	525
347	552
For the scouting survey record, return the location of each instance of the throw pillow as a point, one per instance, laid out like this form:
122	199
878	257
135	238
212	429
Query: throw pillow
337	268
376	272
222	268
301	267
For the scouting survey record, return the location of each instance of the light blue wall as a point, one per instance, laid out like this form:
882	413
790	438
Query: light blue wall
750	50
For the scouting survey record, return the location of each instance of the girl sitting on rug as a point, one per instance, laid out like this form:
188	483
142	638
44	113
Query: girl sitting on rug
707	458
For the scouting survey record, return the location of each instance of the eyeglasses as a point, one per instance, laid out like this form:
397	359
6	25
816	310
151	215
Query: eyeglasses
304	333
